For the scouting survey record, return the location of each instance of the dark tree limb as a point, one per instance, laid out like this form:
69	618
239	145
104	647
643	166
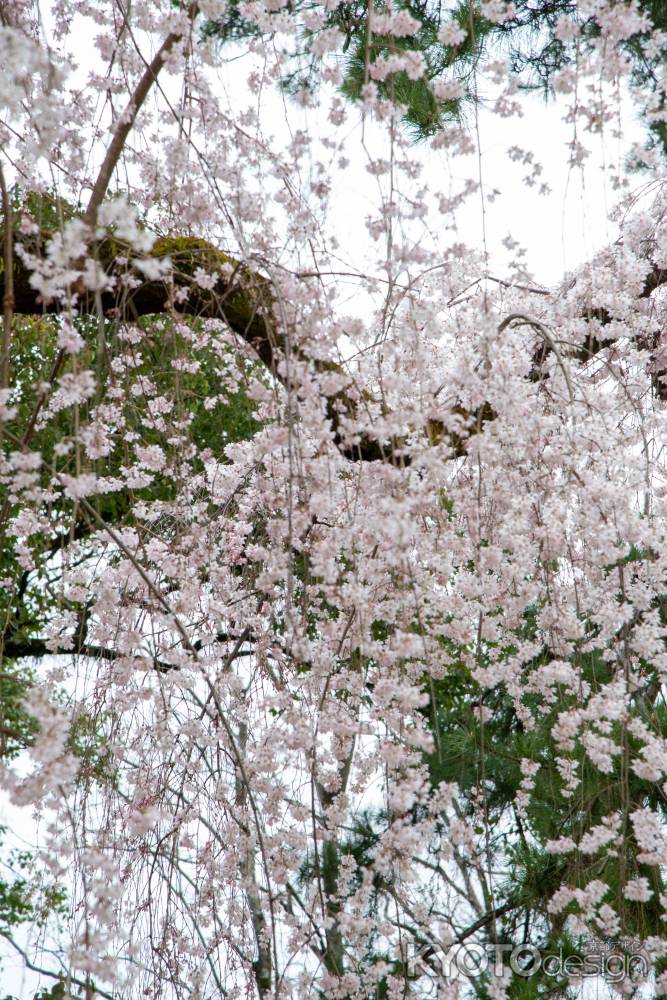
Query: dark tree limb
21	649
244	300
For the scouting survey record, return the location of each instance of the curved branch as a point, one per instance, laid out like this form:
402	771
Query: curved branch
59	976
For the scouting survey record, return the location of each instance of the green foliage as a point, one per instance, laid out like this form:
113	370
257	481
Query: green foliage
16	727
55	992
536	54
89	743
58	991
24	897
359	844
15	905
47	210
527	39
424	114
204	379
490	756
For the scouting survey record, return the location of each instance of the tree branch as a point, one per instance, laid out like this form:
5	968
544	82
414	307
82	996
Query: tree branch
126	121
244	300
60	976
20	649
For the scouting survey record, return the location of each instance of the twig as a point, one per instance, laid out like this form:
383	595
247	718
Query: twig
61	977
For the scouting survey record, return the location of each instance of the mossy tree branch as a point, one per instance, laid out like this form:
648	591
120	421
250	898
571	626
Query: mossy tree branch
244	300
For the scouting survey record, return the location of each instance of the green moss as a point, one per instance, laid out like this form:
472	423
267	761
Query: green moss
190	245
245	296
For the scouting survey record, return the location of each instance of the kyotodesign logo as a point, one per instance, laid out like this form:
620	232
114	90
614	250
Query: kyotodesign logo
614	961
